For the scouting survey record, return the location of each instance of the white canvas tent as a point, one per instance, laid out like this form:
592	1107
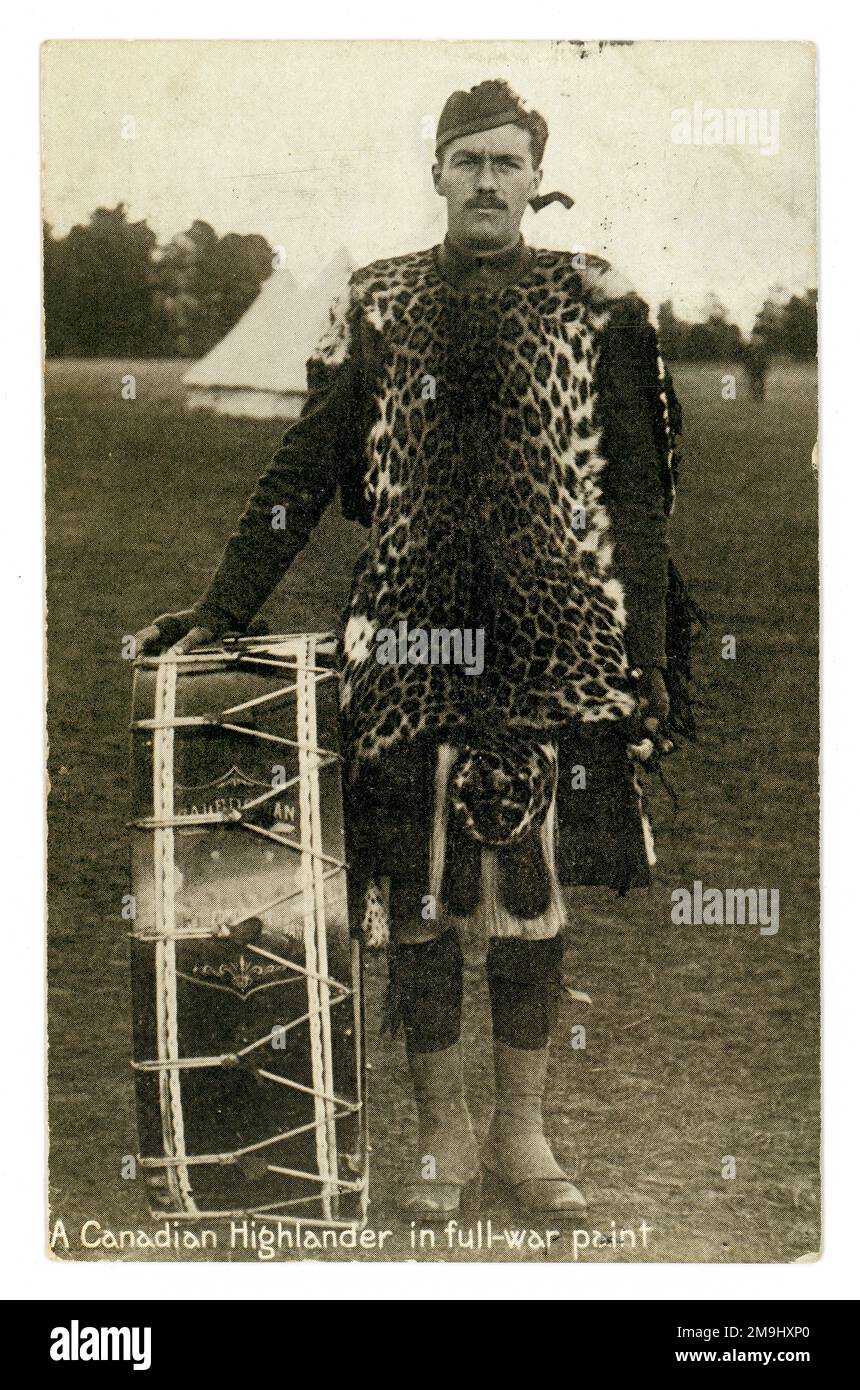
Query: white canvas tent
258	369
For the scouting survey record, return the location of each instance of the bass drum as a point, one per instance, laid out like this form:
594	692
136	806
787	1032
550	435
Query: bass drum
246	983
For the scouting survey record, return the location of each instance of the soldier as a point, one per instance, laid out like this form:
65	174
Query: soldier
499	418
756	360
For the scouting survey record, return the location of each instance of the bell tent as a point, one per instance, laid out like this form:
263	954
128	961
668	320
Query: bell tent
258	368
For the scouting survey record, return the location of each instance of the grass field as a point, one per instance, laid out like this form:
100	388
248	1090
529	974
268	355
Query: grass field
702	1042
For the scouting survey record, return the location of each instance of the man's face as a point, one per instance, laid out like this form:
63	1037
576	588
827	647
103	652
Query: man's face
487	180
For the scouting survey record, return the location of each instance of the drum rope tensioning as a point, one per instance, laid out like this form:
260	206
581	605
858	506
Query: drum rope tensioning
243	910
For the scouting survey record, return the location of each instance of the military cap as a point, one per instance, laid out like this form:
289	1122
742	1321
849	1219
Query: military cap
484	107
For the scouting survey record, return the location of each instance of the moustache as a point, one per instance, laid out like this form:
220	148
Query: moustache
493	204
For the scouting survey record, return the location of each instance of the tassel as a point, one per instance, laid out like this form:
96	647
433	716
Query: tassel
543	200
523	877
494	919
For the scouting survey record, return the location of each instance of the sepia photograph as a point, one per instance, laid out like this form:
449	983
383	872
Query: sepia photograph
431	544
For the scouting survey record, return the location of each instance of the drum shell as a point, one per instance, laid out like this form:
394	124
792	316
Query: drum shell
238	961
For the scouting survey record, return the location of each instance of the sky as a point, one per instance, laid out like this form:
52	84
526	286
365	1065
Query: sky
318	145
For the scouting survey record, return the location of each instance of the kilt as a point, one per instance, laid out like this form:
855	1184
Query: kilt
600	829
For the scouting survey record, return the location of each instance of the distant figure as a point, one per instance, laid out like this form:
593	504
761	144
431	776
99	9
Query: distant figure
757	365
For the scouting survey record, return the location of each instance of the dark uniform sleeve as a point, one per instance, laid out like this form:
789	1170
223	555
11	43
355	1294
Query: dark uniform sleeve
316	454
639	416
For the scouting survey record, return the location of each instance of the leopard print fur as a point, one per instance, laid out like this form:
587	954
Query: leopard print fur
482	479
502	793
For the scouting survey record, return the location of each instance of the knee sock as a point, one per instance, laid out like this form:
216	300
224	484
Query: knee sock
524	978
427	985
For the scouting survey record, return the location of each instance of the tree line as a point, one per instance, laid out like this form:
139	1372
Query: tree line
784	327
112	291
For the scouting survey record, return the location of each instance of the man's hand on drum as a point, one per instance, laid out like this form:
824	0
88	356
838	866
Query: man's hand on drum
176	632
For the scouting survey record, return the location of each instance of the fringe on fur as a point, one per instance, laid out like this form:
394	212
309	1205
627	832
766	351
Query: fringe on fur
492	917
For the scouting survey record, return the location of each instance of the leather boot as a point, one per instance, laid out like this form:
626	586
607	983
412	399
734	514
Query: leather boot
447	1147
516	1151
